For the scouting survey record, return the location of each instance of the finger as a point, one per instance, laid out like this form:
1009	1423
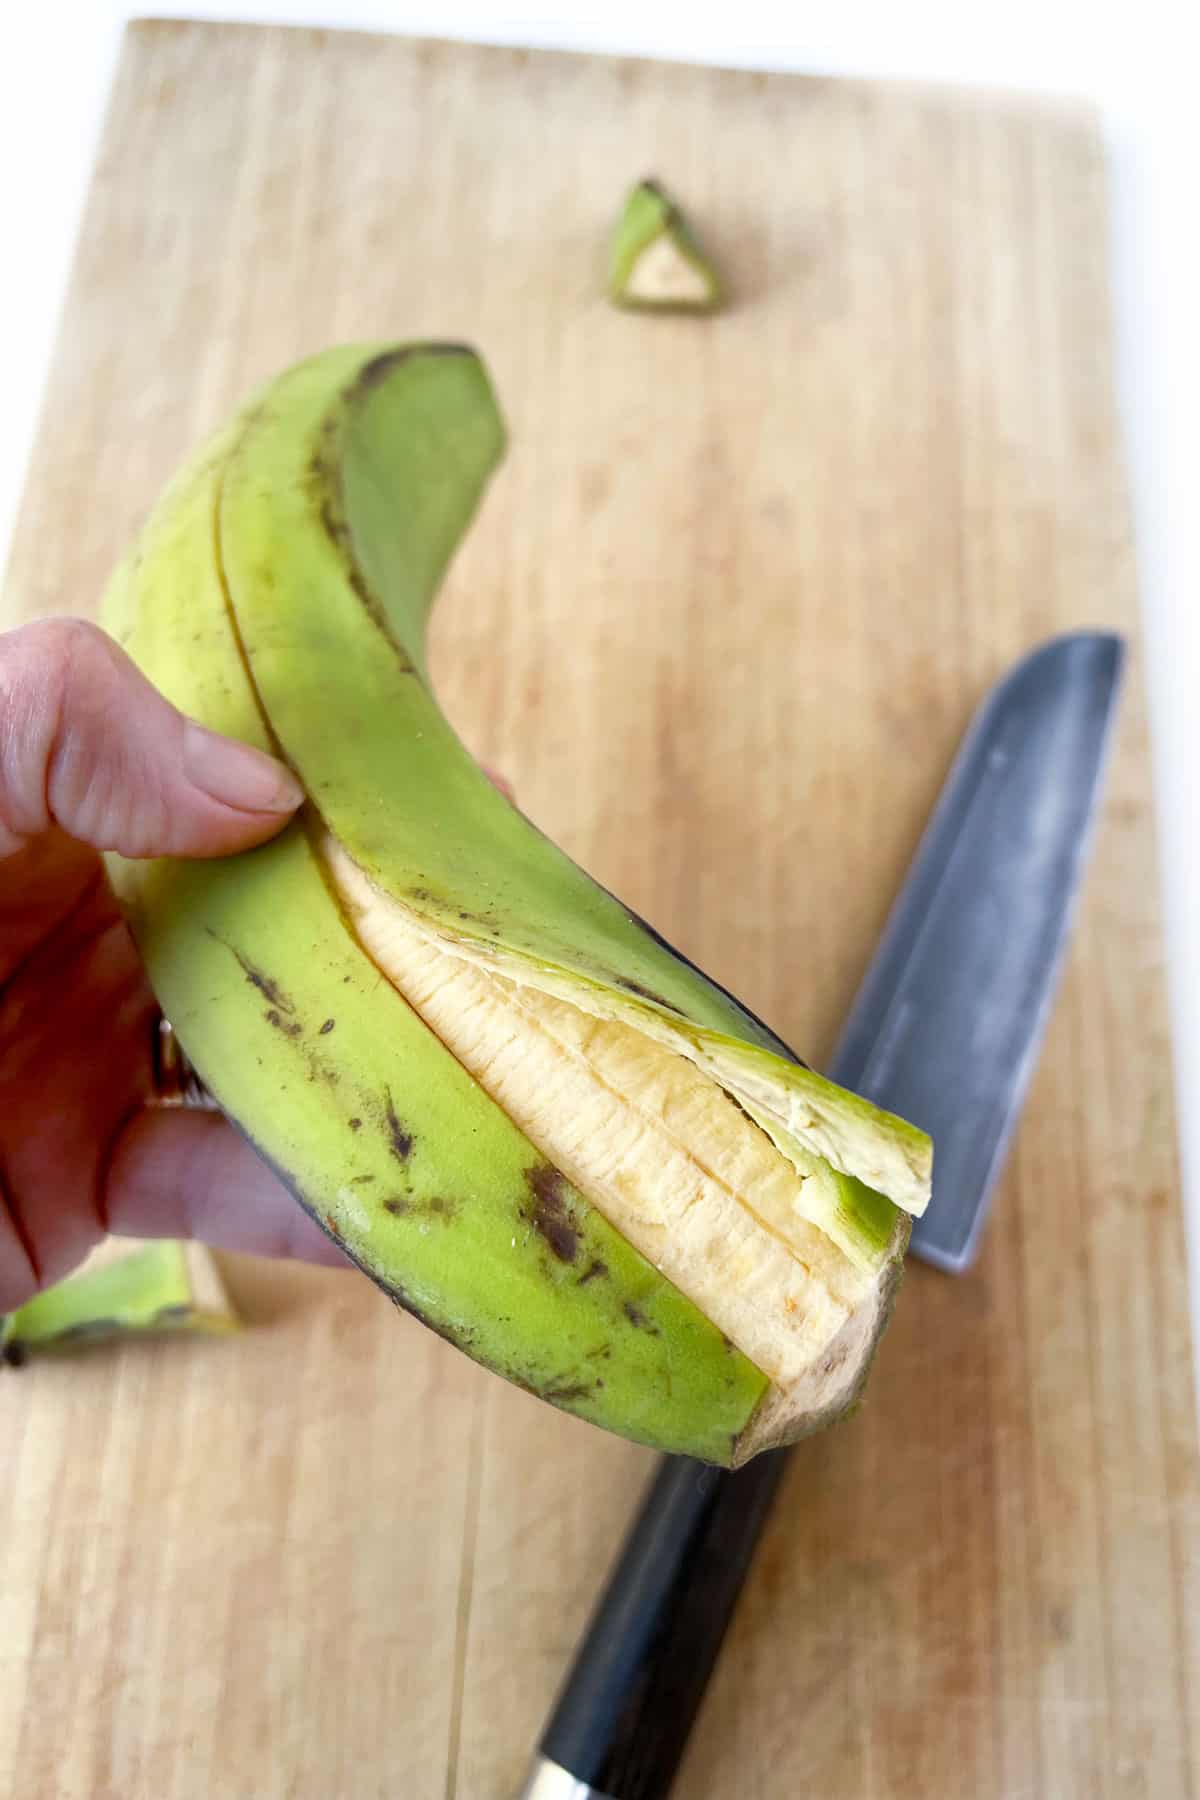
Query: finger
188	1174
88	744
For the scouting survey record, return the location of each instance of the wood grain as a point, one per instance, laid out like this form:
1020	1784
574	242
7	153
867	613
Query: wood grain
722	620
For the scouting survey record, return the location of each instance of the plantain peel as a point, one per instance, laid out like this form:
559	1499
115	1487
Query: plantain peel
522	1113
656	261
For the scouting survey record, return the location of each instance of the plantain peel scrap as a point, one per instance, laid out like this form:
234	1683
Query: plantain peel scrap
656	260
518	1110
123	1289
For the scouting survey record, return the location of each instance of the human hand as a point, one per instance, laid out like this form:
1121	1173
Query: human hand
92	758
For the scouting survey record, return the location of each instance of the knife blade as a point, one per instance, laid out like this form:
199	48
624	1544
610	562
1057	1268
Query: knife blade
985	953
944	1030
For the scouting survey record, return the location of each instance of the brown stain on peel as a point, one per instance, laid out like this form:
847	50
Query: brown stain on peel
637	1317
279	1002
373	373
438	1206
289	1027
644	993
325	488
325	482
400	1141
550	1214
267	987
576	1390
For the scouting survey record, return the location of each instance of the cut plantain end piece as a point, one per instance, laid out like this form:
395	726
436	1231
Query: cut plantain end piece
125	1287
656	261
525	1116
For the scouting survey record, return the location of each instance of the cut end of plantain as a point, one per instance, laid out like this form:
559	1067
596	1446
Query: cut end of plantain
526	1117
124	1288
656	260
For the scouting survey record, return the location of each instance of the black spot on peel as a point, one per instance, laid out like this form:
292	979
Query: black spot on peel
400	1141
289	1027
397	1206
327	1027
14	1354
637	1318
593	1272
355	1124
461	1337
549	1213
360	1180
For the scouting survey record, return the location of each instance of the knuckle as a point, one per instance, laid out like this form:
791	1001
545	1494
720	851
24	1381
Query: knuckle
56	689
39	660
77	655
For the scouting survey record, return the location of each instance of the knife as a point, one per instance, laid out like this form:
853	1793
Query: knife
945	1031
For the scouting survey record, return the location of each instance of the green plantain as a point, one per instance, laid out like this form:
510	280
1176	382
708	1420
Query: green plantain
521	1112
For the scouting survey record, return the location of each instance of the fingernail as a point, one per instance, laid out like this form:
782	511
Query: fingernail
237	774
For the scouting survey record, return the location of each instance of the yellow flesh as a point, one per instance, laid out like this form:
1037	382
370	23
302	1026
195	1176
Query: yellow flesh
654	1142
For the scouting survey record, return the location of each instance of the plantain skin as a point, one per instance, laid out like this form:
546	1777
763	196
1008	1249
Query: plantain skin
390	1146
650	213
279	593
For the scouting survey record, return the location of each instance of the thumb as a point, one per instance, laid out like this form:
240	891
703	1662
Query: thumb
86	743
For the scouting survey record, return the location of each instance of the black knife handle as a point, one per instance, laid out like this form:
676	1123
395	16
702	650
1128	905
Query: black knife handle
626	1708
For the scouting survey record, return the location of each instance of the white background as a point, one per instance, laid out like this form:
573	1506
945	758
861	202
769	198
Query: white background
56	61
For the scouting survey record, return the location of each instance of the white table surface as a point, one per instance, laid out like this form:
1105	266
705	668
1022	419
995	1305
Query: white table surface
56	62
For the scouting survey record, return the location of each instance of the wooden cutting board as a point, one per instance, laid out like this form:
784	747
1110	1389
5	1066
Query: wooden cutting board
722	620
